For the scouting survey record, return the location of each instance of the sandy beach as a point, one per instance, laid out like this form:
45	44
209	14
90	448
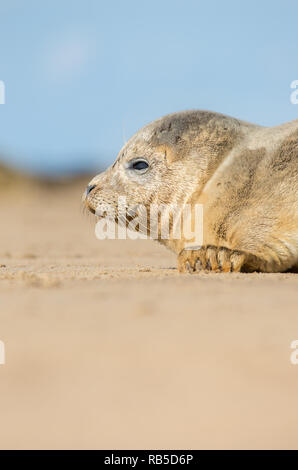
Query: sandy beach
108	347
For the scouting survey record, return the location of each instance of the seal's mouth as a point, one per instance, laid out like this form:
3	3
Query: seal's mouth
86	203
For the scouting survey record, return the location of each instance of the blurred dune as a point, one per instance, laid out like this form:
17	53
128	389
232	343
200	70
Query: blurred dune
15	179
10	177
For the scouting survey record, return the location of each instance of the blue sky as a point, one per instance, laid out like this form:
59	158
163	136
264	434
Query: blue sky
82	76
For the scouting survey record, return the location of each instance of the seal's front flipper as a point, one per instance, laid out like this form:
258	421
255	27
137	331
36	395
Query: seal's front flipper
211	258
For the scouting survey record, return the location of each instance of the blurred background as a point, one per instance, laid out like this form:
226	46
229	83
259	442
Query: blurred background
82	76
106	345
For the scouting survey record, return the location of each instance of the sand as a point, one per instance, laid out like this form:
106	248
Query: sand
108	347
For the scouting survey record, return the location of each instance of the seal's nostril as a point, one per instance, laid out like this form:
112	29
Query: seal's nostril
90	188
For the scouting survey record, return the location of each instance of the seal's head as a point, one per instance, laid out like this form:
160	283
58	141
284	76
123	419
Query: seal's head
165	162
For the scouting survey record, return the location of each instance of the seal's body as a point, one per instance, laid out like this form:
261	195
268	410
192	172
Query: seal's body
244	175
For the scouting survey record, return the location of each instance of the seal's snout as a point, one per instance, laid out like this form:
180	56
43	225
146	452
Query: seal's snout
85	198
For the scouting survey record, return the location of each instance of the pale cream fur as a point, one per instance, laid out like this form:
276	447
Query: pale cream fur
246	177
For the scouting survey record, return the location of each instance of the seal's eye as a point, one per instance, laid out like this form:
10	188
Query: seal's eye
140	165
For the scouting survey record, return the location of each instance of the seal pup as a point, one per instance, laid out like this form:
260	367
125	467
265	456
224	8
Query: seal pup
244	175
